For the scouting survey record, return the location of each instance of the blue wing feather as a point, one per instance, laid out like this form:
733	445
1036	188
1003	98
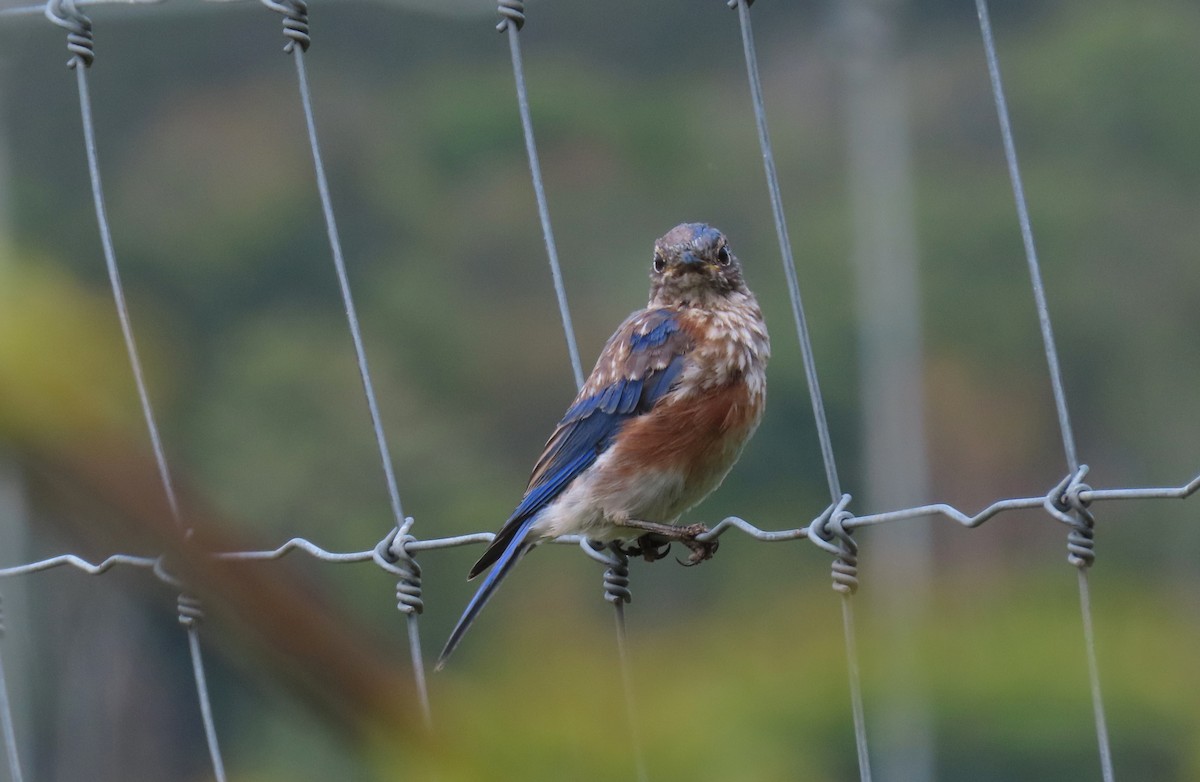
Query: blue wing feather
655	336
659	384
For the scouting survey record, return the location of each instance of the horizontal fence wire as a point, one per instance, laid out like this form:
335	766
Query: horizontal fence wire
40	8
1053	501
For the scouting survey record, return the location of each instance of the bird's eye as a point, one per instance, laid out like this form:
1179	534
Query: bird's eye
660	263
723	255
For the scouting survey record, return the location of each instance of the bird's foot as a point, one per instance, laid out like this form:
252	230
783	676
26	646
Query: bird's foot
650	547
701	549
656	539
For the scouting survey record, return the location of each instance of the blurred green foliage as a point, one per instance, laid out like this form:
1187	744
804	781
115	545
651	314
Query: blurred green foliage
643	121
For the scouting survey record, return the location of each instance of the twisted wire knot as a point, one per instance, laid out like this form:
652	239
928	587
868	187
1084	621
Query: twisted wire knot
191	611
616	581
734	3
1066	503
511	12
392	555
81	43
295	22
829	532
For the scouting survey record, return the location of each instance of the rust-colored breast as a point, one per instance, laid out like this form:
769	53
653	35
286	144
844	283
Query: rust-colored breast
694	435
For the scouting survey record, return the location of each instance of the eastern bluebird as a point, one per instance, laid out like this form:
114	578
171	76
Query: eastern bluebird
676	393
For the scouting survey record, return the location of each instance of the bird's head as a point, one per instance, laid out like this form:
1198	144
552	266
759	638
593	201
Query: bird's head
693	266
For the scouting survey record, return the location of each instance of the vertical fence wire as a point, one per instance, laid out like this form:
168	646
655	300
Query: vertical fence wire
339	263
512	18
80	65
1089	643
12	507
1056	382
856	697
418	663
296	30
639	760
616	591
6	719
785	249
206	715
1035	274
79	42
512	14
810	367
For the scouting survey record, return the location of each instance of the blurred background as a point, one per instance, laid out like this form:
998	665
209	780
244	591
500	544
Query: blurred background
926	339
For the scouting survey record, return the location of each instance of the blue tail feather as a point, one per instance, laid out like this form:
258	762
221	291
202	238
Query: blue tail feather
512	553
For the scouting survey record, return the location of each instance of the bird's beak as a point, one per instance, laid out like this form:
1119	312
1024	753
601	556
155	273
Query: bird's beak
690	259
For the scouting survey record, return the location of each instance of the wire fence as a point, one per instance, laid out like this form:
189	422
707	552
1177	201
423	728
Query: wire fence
1070	502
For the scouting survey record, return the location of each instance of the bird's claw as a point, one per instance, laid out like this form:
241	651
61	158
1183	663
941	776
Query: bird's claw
650	547
701	549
